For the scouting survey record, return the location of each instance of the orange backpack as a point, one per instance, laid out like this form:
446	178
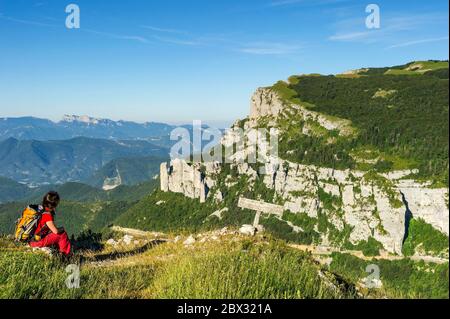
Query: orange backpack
26	225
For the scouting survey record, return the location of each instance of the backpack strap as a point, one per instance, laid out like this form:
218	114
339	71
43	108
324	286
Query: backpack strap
44	227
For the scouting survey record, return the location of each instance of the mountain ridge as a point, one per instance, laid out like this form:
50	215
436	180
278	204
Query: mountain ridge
71	126
57	161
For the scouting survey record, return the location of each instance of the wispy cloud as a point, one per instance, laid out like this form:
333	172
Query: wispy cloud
136	38
349	36
172	36
269	48
105	34
284	3
354	30
164	30
416	42
24	21
39	4
175	40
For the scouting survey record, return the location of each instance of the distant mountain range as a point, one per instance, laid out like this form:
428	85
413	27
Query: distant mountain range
126	171
12	191
101	153
78	159
31	128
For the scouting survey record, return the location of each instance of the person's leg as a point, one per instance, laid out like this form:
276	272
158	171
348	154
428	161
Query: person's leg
60	240
64	243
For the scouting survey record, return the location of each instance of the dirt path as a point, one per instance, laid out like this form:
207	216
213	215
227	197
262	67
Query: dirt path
119	253
327	251
154	238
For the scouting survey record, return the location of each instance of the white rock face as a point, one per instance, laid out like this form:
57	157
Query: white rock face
365	207
427	203
164	177
265	102
182	177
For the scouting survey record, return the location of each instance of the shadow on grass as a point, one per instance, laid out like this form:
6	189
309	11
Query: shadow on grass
87	241
121	254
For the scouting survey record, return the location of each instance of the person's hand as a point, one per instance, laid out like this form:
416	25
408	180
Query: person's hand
61	230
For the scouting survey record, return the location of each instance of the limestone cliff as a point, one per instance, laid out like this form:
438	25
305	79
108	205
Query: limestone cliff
182	177
265	102
365	205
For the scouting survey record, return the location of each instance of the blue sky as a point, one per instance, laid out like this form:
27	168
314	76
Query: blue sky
179	60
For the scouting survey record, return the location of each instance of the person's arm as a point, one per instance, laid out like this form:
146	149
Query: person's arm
55	230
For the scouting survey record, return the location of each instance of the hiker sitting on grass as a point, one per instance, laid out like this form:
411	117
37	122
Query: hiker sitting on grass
47	234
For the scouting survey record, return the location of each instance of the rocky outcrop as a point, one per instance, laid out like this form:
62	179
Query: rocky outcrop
351	200
265	102
112	182
427	203
357	201
191	179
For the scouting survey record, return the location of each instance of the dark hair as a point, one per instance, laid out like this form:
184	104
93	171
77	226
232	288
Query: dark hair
51	200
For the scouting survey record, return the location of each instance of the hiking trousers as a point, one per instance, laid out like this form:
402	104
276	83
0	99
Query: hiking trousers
59	240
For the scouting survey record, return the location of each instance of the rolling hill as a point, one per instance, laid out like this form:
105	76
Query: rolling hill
125	171
58	161
11	190
82	207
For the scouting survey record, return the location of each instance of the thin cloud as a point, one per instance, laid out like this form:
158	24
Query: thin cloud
175	41
266	48
163	30
283	3
28	22
106	34
40	4
416	42
163	35
117	36
349	36
353	30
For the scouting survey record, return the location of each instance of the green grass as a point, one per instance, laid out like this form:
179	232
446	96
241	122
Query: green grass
280	229
226	269
401	278
174	213
245	270
421	67
426	238
370	247
407	128
26	275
